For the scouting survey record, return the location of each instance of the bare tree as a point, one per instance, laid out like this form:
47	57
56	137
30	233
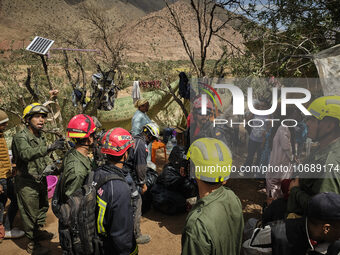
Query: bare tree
211	18
102	31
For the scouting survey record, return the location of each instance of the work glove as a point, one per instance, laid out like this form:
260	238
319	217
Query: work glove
57	145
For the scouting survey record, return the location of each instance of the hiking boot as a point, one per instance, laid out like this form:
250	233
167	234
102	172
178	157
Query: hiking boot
14	233
143	239
42	235
35	248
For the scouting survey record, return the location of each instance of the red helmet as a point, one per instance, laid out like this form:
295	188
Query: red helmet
198	104
80	126
116	141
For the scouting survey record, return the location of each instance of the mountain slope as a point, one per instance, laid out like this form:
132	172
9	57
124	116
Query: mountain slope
148	37
153	38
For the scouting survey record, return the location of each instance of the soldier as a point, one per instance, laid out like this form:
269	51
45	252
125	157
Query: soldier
215	223
6	187
30	154
77	164
323	127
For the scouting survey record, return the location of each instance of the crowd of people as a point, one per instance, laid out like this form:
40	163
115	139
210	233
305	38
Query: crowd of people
302	215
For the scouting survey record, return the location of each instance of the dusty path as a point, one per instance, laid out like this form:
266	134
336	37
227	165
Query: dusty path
165	230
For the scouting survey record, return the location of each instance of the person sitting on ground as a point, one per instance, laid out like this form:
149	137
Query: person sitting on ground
215	223
114	212
175	174
276	210
30	154
323	127
7	187
174	184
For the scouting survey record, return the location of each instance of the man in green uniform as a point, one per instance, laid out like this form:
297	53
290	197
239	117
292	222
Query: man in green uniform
30	154
324	128
77	164
215	223
76	167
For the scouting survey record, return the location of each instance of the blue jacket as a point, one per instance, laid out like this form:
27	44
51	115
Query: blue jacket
114	213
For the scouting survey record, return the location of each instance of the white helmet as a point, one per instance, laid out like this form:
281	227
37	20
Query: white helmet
152	128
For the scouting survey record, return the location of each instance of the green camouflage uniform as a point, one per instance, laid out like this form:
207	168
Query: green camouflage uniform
30	156
327	181
214	225
76	168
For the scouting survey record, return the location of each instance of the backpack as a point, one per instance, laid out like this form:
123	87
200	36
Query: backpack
77	217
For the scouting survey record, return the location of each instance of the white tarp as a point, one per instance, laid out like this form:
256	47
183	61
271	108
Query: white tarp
328	64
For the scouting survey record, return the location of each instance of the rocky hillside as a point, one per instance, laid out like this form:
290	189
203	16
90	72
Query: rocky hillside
144	25
153	38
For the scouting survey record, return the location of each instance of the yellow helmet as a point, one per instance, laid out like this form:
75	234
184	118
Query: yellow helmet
212	159
325	106
33	109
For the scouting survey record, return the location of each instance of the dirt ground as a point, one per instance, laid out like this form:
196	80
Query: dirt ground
165	230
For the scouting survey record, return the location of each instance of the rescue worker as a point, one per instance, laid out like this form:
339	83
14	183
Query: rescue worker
215	223
30	154
7	187
114	212
138	166
200	126
324	128
77	164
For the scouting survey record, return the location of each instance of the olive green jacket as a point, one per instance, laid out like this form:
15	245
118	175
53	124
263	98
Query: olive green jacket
214	225
76	168
328	180
29	154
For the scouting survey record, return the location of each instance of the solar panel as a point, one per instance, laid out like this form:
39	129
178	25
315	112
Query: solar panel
40	45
